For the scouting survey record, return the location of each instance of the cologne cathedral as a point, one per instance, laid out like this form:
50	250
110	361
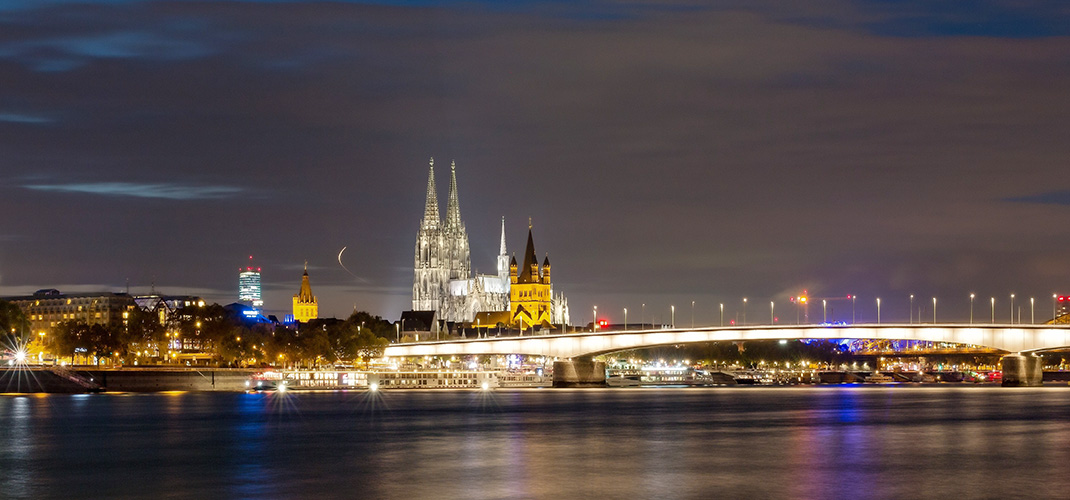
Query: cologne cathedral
443	280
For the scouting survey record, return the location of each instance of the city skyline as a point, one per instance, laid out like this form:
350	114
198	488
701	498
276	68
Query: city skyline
666	154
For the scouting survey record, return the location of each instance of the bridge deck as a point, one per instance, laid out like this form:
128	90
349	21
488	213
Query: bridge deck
1006	338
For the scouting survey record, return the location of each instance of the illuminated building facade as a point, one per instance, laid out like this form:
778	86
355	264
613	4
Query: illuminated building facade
305	307
47	308
443	281
531	295
249	287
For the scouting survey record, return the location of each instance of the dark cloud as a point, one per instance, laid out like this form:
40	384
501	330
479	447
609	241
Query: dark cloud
1049	198
666	152
164	191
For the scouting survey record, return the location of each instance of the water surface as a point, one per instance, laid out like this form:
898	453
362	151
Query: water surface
755	442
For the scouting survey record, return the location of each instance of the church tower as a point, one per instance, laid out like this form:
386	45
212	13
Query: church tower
530	293
431	276
503	262
460	260
305	306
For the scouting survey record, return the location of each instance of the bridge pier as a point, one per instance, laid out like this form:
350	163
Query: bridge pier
579	373
1022	370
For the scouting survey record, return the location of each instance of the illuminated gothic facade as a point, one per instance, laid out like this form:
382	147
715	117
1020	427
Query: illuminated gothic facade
443	280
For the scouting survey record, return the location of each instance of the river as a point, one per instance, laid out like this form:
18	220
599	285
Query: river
736	442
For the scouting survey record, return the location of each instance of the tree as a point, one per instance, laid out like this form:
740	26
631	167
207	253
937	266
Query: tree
14	325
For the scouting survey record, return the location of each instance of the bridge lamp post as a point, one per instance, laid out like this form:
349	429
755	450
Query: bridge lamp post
934	310
993	310
642	314
772	318
1012	308
853	297
1054	311
1032	312
912	309
692	314
594	321
625	318
824	311
878	310
722	312
744	310
971	308
672	320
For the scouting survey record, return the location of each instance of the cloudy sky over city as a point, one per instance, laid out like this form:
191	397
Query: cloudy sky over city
666	152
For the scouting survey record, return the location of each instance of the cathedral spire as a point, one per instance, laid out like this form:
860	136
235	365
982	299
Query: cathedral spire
453	207
431	220
502	252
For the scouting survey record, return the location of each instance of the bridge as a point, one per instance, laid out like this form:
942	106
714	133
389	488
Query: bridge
1020	342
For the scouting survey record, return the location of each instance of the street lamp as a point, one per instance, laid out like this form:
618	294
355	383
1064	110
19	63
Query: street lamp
692	314
1012	308
878	310
824	311
722	313
853	297
772	318
594	320
993	310
642	314
971	308
1054	311
625	318
934	310
912	309
1032	312
744	310
673	317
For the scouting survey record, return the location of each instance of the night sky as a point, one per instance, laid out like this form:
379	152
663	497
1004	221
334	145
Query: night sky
666	152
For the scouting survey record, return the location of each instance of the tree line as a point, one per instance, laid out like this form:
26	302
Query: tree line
210	331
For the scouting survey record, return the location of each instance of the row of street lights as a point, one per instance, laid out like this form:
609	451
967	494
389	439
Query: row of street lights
824	311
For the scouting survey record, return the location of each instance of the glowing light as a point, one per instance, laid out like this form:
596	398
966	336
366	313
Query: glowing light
373	387
486	386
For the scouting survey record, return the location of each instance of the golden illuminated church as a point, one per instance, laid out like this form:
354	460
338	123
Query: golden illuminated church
305	306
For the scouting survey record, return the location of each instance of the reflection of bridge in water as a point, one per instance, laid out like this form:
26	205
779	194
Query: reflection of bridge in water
1018	343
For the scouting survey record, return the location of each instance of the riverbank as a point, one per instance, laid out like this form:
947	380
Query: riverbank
155	379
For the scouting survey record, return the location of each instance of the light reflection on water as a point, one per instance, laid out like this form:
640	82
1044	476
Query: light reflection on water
809	442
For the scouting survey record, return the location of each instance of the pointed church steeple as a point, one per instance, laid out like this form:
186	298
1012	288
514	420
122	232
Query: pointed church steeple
502	252
453	206
305	307
530	272
431	220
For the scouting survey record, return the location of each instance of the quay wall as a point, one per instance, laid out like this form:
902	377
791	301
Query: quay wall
35	379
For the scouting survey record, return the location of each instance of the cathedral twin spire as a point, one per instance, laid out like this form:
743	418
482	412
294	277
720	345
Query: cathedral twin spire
431	206
453	206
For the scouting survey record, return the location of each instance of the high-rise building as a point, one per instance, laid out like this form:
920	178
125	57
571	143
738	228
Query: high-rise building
305	306
249	287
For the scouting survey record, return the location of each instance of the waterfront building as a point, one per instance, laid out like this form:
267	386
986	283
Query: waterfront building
249	287
166	306
305	307
47	308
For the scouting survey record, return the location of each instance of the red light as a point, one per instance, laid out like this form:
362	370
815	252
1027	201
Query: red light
1061	298
732	322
